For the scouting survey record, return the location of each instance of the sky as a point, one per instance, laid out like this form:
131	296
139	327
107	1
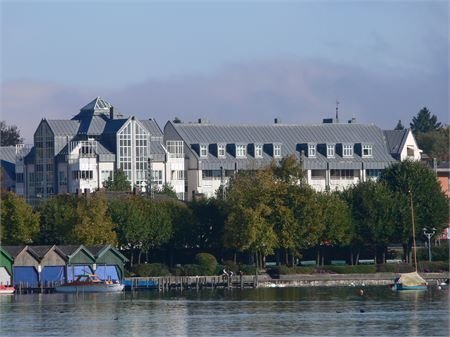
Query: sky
229	62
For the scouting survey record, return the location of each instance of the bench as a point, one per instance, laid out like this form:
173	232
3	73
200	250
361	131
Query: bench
394	261
338	262
368	261
271	264
308	263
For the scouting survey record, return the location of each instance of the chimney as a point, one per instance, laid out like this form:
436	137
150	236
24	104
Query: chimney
352	121
275	121
111	112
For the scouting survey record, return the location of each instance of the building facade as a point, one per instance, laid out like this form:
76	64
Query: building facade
334	155
80	154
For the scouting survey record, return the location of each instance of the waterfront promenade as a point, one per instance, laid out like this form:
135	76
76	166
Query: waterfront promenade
264	280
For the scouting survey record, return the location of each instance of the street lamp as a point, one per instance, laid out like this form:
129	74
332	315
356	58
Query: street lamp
429	235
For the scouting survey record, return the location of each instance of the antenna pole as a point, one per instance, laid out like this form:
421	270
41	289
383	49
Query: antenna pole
337	110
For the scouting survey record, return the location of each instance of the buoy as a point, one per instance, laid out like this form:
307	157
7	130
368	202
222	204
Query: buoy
361	292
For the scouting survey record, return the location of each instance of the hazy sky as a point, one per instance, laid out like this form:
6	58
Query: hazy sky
226	61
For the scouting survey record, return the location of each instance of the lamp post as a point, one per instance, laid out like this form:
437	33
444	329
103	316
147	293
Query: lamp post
429	235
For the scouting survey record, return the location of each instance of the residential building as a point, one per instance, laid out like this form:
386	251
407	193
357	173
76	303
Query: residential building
80	154
334	155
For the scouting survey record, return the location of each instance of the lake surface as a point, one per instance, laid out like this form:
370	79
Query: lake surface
223	312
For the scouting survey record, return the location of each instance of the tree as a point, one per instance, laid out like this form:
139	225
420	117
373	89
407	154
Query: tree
248	227
9	135
20	225
373	210
416	185
120	182
424	122
399	126
143	224
167	190
92	223
58	218
435	143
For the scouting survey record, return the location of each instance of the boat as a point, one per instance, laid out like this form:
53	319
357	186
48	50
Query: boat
90	283
410	281
6	289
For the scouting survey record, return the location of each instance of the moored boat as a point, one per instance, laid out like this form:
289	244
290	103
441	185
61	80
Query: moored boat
89	283
6	289
409	282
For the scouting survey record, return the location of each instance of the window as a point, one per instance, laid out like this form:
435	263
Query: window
221	150
330	150
84	175
311	150
241	151
177	175
105	174
19	177
373	174
211	174
367	150
342	174
347	150
258	151
175	148
157	177
62	178
203	150
277	150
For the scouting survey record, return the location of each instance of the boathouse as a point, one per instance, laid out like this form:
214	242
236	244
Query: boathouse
79	260
25	266
6	262
51	268
109	262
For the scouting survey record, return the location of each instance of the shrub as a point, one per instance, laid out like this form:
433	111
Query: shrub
191	270
438	253
433	266
247	269
151	269
395	268
207	263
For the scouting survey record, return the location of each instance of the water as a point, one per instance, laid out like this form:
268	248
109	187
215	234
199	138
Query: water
222	312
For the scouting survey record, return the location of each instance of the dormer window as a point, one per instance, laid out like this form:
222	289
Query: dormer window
277	150
258	151
203	150
367	150
241	151
347	150
311	150
330	150
221	150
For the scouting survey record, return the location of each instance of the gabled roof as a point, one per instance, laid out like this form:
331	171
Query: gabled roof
6	253
70	250
8	154
152	127
64	127
14	250
396	140
289	136
99	250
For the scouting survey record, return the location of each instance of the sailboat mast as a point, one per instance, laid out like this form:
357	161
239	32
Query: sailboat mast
413	230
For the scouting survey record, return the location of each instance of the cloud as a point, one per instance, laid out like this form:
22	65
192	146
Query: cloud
295	91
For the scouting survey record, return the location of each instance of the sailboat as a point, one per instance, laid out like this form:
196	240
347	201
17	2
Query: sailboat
410	281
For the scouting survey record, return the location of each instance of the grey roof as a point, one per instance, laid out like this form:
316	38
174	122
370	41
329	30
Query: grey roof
152	127
289	136
97	105
14	250
64	127
395	140
69	249
8	154
40	251
157	151
97	249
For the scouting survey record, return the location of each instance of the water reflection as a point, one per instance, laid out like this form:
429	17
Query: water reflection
223	312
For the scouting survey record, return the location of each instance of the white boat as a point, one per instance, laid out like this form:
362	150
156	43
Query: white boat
89	283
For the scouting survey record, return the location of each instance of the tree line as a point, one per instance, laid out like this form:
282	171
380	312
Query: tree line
260	213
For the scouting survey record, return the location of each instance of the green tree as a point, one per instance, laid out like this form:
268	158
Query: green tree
373	209
167	190
416	185
143	224
435	143
58	216
92	223
399	126
248	227
424	122
9	135
335	222
119	182
19	224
